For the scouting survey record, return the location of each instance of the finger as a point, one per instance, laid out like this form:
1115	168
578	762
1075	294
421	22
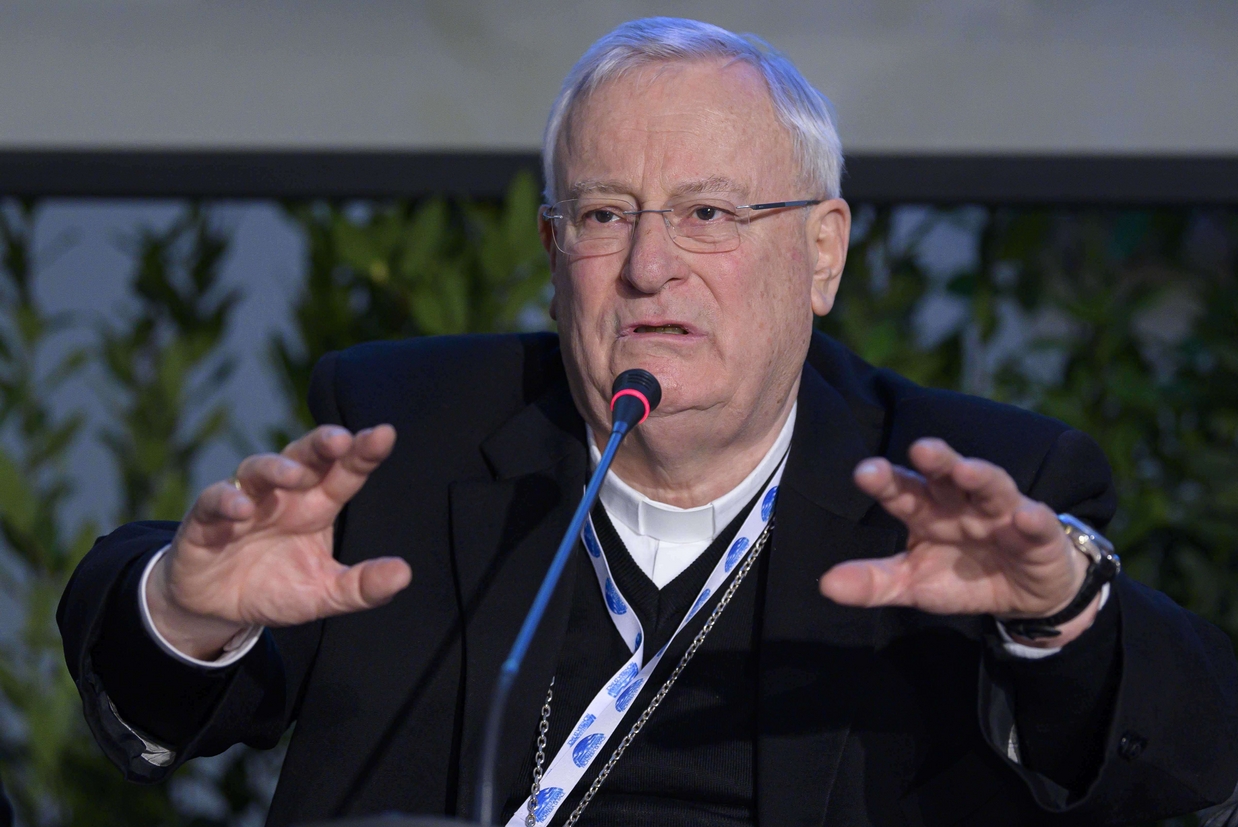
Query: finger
383	579
868	583
932	457
220	502
369	584
370	447
900	491
1037	523
936	460
216	516
373	445
320	448
988	487
262	473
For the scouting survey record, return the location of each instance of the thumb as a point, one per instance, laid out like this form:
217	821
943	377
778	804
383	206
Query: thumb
382	579
866	583
370	583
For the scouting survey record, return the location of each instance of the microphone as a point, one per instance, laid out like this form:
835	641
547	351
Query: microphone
632	398
634	395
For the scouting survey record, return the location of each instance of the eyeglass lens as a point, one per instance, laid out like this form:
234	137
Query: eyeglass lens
593	226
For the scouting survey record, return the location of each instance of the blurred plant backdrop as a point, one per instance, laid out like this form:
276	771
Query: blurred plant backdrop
1123	323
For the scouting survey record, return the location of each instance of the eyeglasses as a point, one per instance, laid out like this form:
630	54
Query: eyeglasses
698	223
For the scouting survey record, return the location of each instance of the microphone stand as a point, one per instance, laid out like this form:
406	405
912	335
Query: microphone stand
634	396
511	666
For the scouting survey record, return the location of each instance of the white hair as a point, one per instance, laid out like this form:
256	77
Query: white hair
805	112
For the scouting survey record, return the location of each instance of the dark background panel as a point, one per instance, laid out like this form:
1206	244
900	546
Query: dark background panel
877	178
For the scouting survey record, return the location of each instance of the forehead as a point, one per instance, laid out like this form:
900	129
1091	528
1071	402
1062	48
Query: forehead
671	127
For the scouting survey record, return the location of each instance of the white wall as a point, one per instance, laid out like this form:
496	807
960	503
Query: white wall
952	75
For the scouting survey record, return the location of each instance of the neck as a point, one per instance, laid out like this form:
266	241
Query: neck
679	461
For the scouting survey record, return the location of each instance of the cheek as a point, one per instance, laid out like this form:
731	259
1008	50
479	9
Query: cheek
577	303
779	306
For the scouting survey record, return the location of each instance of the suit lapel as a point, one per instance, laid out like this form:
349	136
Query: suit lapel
813	651
504	534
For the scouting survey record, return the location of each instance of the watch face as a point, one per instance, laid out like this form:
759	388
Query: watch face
1099	550
1087	539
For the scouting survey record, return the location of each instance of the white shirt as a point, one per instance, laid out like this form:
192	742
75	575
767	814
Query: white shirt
663	539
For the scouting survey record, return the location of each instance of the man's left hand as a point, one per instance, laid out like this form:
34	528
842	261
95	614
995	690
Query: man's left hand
976	545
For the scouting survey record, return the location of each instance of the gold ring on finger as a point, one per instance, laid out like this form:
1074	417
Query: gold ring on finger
235	483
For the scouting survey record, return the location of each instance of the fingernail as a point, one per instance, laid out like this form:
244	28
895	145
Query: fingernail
866	467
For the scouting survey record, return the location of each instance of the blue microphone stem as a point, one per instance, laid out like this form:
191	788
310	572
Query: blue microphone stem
511	666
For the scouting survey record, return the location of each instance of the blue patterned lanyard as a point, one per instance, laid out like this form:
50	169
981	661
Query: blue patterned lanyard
605	712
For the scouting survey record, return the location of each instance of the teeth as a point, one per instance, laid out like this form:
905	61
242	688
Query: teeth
664	328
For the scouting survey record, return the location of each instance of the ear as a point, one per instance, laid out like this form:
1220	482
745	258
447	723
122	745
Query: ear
829	232
546	233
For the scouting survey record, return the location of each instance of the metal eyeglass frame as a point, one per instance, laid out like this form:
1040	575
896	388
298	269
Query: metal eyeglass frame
550	213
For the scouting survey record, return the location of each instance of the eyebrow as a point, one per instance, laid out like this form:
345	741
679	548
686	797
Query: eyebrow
597	187
714	183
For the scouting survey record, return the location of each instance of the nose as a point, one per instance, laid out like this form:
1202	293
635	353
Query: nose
652	260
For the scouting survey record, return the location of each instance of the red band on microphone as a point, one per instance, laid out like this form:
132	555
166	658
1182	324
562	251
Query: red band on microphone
638	395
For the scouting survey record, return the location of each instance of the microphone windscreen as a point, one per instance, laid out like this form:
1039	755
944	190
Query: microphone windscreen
632	387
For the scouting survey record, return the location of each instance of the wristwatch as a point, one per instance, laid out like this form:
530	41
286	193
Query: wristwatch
1103	566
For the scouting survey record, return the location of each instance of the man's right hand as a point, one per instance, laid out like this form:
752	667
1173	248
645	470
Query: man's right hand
260	553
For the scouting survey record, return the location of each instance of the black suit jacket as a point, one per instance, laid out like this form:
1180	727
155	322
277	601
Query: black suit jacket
6	811
864	716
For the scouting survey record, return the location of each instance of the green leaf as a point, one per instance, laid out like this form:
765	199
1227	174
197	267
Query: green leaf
18	503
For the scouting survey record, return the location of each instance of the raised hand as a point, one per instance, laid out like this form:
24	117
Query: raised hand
976	545
260	552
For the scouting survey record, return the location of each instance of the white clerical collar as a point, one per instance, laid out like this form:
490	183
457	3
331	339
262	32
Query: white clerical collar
668	523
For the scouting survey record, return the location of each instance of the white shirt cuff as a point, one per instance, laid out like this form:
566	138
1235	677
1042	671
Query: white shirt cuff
237	647
1022	650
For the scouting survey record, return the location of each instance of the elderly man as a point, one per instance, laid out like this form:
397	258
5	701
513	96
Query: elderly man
963	660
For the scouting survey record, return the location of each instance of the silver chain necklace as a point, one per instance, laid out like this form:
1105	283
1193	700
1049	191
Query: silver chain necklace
540	758
544	725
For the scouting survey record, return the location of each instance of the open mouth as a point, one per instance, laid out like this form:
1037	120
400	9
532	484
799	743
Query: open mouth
662	328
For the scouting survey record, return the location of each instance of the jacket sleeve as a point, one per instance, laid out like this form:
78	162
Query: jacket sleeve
1138	718
148	711
6	810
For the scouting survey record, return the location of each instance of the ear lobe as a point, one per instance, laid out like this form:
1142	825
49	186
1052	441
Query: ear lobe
829	233
824	290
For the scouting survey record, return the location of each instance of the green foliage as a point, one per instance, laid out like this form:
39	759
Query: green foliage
160	365
882	288
400	270
56	775
1130	334
1149	371
164	365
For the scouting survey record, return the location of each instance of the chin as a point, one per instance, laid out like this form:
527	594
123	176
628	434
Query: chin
684	390
687	383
